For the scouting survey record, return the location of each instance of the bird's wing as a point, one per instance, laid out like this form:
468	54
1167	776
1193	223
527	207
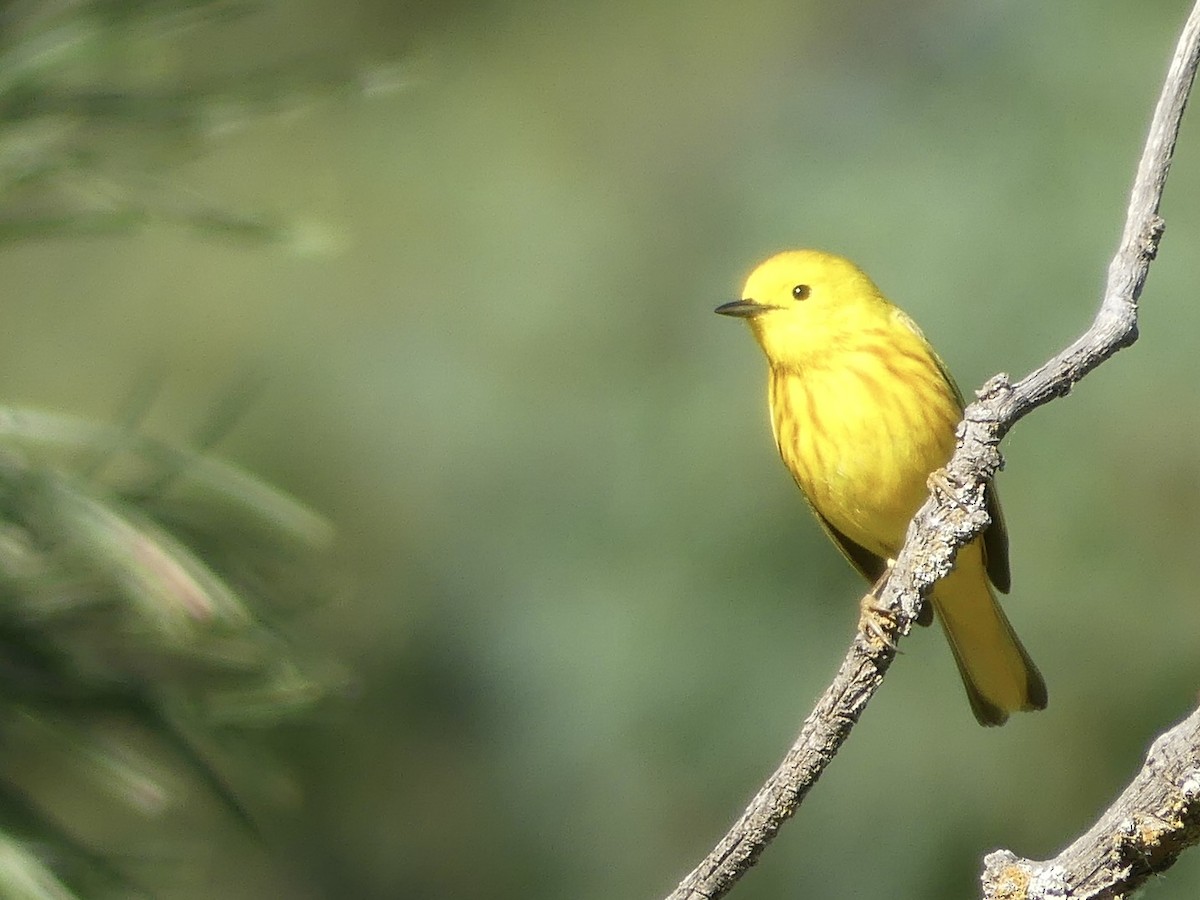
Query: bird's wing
995	543
995	538
869	564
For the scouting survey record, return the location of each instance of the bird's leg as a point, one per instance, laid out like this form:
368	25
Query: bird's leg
874	620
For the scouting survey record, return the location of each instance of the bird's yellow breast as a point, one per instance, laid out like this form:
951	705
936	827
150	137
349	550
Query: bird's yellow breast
861	428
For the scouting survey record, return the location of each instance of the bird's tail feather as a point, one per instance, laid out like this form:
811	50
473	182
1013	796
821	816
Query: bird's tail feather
999	676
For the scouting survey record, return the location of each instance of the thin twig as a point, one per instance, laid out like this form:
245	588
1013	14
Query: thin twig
944	524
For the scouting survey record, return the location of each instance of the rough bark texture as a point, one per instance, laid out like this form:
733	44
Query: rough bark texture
1143	832
947	521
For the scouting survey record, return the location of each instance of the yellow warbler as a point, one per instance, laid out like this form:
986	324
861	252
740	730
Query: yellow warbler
863	411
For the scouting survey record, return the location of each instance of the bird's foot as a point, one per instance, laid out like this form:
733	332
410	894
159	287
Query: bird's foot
876	622
942	482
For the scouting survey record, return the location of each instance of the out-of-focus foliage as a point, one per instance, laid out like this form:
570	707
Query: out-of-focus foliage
590	608
90	114
142	589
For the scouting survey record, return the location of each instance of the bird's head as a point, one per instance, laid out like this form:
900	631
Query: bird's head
805	302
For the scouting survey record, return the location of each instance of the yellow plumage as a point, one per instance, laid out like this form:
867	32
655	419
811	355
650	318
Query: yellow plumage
863	411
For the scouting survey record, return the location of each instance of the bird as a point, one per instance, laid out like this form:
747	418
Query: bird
863	412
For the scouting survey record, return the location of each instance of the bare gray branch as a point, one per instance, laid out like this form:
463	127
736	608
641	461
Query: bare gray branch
1143	832
943	524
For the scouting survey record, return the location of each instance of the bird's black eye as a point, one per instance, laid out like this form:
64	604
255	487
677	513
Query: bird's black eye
801	291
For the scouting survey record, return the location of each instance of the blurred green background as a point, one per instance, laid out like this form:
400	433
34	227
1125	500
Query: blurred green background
585	608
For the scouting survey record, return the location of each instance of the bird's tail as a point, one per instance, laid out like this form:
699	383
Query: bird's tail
999	676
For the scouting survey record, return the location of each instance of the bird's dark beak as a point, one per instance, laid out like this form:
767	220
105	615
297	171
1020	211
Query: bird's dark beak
742	309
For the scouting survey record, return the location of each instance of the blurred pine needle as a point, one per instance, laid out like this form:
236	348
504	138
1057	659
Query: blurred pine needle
98	97
139	604
144	587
